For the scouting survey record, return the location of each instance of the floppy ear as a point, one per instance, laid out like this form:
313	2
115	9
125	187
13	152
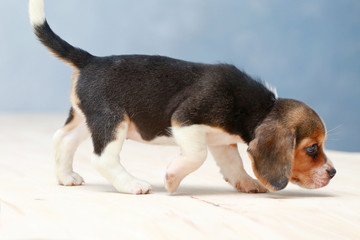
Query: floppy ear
272	152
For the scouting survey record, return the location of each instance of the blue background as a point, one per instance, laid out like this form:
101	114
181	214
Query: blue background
308	50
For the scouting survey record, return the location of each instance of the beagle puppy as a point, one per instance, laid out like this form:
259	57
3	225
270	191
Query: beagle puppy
161	100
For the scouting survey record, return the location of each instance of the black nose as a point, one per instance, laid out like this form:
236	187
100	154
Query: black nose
331	172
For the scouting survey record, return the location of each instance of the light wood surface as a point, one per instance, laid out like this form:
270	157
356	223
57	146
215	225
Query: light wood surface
33	206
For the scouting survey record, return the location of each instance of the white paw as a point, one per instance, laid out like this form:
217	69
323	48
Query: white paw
70	179
249	185
134	186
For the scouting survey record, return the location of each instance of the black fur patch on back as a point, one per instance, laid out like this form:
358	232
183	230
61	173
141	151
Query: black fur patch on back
154	90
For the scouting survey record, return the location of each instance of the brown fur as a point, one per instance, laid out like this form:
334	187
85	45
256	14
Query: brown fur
73	122
75	101
278	151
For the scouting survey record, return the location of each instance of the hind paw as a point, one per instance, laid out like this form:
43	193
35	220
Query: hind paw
70	179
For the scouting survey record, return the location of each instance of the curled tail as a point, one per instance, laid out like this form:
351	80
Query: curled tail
76	57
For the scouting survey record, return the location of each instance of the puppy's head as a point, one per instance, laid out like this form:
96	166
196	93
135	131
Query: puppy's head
289	146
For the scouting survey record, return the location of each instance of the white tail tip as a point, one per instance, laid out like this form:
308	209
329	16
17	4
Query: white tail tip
36	12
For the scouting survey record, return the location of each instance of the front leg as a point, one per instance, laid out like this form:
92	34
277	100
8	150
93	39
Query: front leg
228	159
192	141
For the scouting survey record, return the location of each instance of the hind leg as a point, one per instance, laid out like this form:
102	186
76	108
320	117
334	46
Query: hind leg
66	141
106	159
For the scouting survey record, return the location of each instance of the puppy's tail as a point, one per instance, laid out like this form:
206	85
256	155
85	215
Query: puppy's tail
76	57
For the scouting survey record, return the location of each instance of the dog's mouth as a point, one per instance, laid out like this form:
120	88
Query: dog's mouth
297	181
311	183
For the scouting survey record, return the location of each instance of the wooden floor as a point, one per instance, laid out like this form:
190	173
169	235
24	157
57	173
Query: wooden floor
33	206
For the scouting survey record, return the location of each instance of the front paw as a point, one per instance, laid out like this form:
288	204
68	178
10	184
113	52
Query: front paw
70	179
249	185
171	182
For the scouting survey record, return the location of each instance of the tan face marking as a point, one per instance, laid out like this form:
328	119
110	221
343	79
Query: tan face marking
310	165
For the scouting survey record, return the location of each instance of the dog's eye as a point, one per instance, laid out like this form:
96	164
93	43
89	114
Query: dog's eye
313	150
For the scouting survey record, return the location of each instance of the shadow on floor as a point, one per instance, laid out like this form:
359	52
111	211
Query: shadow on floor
206	190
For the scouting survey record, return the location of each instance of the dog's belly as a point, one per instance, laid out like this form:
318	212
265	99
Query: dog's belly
214	136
